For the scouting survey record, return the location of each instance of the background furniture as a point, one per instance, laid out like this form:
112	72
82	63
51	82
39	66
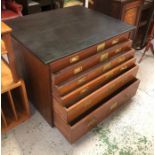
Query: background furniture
45	4
149	43
81	74
14	103
35	6
68	3
146	18
8	50
10	9
126	10
14	106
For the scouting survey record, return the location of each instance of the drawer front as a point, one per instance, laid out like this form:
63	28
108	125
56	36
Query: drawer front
90	62
77	129
74	83
109	43
69	60
94	84
78	108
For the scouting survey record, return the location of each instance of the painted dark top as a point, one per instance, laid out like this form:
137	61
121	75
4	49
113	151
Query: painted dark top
54	34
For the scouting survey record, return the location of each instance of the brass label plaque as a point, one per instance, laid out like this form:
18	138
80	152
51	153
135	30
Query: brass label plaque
77	70
74	59
104	56
121	59
101	47
115	41
115	104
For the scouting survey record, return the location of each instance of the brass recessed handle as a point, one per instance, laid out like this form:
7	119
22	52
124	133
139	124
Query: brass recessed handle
123	68
115	41
118	50
104	56
74	59
77	70
114	105
101	47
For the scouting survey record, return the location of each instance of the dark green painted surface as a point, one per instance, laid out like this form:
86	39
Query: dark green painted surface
55	34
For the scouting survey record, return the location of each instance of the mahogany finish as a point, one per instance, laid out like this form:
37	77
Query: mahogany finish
81	126
67	61
71	98
73	83
81	66
89	87
76	95
37	79
72	111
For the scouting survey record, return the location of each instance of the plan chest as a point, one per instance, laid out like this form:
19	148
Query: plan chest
78	69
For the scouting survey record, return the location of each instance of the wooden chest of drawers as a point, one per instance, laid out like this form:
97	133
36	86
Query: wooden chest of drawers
76	89
125	10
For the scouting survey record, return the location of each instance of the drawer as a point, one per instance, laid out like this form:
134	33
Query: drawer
83	124
71	112
85	64
78	56
92	73
91	86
